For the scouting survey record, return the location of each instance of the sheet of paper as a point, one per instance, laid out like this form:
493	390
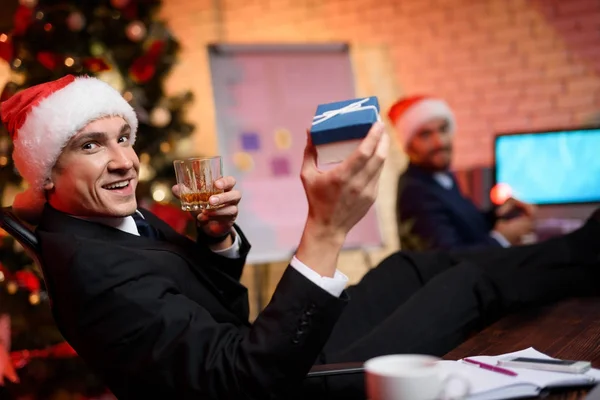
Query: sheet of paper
489	385
480	380
542	378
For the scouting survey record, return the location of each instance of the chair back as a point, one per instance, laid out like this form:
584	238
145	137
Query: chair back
25	235
21	232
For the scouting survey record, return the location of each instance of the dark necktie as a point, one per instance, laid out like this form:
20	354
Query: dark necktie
144	228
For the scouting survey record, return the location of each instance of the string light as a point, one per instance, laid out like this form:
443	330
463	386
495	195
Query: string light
34	298
165	147
48	27
159	195
146	172
3	161
161	192
69	61
3	37
500	193
145	158
12	287
128	96
17	62
1	276
39	15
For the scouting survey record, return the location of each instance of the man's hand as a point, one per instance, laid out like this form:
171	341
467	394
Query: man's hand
339	198
219	221
515	228
512	205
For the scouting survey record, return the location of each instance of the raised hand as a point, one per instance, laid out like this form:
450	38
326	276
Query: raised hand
339	198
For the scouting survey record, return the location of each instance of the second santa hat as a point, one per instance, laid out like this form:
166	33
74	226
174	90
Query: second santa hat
410	113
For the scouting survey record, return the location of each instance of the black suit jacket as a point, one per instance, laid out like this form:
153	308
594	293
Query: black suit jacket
169	319
432	217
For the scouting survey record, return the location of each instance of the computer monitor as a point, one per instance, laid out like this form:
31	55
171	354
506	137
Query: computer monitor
551	167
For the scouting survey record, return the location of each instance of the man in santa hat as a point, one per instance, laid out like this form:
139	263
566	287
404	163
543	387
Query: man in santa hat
431	211
161	316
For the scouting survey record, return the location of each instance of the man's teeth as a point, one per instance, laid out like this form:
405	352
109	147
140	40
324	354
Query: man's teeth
118	185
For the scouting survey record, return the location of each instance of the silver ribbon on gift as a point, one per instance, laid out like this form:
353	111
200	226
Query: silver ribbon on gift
356	106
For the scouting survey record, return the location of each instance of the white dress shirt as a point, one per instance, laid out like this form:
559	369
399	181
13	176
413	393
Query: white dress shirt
445	181
334	286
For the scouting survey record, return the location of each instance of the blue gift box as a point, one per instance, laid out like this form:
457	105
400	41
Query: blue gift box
338	127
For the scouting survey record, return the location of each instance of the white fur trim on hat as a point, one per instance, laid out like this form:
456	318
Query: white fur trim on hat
421	113
57	118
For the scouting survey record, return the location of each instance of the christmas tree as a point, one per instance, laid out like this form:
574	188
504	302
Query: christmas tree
124	43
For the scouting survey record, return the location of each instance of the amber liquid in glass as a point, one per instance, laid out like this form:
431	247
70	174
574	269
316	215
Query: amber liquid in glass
197	201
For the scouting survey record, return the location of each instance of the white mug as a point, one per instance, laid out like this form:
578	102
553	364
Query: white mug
409	377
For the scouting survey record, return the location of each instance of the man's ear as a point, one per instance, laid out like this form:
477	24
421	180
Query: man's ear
48	184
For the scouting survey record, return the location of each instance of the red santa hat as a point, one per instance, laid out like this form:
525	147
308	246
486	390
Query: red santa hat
410	113
43	118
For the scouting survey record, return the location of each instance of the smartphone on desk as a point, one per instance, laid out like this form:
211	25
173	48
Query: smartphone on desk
569	366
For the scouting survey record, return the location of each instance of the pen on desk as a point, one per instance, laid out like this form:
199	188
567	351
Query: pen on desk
490	367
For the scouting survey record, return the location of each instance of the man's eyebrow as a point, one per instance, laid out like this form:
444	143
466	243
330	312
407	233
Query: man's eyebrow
97	136
84	137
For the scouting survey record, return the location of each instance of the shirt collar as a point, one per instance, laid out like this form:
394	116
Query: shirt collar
124	224
444	180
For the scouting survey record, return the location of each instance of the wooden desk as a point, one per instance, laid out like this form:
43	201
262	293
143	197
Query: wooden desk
568	330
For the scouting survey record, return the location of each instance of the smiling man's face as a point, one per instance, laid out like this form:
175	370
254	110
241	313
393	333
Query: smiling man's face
97	173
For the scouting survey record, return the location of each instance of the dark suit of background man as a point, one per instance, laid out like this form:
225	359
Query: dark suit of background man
160	316
431	211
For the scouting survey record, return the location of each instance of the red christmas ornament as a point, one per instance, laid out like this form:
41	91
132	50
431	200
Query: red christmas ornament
22	357
144	68
130	11
49	60
6	48
95	64
28	280
22	19
6	366
119	3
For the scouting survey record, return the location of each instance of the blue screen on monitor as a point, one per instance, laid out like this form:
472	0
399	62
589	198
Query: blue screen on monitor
550	167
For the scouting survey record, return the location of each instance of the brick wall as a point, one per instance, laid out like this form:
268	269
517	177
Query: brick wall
503	65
